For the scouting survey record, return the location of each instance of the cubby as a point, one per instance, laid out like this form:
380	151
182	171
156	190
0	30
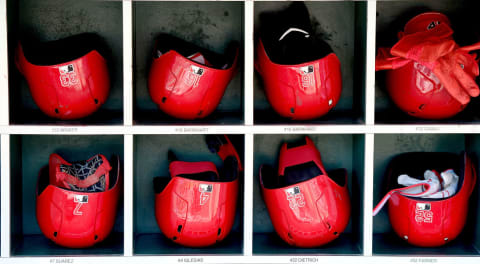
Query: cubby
337	151
342	25
210	25
29	154
385	241
151	161
362	133
54	20
391	18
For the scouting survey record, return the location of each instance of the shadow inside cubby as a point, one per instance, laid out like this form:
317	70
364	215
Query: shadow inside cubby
210	25
387	146
29	153
337	151
150	160
49	20
342	25
391	19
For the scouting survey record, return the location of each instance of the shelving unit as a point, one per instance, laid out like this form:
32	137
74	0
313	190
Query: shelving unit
357	135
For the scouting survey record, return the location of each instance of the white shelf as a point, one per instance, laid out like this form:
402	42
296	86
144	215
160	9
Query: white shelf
130	130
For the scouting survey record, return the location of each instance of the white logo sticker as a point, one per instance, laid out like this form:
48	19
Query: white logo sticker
423	213
205	190
79	200
68	77
193	76
307	76
295	197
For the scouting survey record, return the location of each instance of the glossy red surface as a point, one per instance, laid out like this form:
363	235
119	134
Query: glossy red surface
441	223
416	90
303	91
196	213
185	89
77	219
70	90
310	213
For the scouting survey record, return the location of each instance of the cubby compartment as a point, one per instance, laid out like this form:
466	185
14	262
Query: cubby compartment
337	151
51	20
391	19
151	160
211	25
342	25
28	155
388	146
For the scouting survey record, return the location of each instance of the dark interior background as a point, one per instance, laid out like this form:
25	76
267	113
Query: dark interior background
29	153
49	20
387	146
342	24
338	151
211	25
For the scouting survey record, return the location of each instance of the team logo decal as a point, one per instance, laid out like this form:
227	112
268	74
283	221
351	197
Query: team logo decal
68	76
423	213
193	76
205	190
295	197
79	200
307	76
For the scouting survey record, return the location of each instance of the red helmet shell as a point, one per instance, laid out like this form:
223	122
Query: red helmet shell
76	219
432	222
69	90
303	91
414	88
310	213
196	213
186	89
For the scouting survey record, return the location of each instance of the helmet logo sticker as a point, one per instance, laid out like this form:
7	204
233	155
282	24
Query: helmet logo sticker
68	77
433	24
79	200
307	77
205	190
425	79
193	76
423	213
295	197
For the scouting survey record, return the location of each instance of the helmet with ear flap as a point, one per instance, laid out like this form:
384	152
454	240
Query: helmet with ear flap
185	87
196	206
308	206
68	78
301	74
74	216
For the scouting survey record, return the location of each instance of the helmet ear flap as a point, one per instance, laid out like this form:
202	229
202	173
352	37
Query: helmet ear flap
230	169
268	177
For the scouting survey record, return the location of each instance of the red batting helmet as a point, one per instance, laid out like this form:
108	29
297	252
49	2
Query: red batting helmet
187	81
68	78
308	206
196	207
77	202
414	88
301	74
